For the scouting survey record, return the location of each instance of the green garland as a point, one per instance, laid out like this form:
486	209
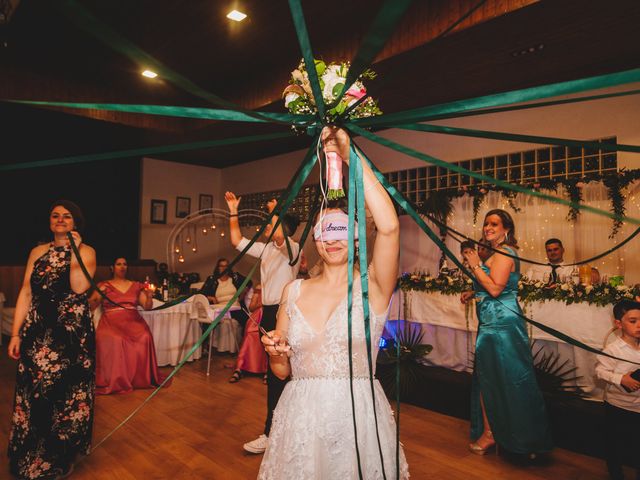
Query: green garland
615	183
528	290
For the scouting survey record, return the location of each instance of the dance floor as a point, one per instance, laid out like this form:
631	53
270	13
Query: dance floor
195	430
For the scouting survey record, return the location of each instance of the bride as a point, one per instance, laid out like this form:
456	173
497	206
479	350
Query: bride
313	427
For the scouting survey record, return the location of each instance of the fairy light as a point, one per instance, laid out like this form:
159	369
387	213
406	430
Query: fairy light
177	249
213	226
204	231
194	249
181	259
222	234
188	239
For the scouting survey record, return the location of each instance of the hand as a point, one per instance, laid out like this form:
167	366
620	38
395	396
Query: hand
466	297
232	202
271	205
336	139
627	381
77	239
14	348
275	344
472	258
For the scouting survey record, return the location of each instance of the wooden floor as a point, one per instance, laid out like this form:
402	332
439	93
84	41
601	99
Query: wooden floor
195	430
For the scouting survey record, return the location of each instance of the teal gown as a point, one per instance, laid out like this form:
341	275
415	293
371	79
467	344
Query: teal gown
504	374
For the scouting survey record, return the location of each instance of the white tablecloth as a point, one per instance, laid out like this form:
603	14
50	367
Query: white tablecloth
443	321
176	329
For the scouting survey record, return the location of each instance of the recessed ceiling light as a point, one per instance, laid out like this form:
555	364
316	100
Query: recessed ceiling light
236	15
149	74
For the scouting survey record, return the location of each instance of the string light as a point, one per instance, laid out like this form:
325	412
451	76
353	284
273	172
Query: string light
222	234
188	239
204	231
194	249
177	249
181	259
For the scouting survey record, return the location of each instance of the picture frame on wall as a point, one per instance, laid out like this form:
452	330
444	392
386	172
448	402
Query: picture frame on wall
158	211
205	202
183	207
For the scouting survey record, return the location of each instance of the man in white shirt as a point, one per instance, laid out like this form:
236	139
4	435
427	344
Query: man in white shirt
556	271
275	274
622	394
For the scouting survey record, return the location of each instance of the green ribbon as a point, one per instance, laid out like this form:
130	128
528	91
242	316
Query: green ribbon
350	266
307	54
358	183
499	99
512	137
180	112
381	29
140	152
506	185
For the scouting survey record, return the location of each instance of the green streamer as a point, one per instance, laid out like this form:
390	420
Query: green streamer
350	266
90	24
513	137
506	185
180	112
140	152
515	96
383	26
358	183
526	106
307	54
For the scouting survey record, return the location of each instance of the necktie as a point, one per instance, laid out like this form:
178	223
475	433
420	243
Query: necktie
554	274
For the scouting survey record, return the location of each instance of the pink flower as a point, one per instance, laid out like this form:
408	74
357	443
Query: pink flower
356	92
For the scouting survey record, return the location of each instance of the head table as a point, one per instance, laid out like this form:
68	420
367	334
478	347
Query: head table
451	329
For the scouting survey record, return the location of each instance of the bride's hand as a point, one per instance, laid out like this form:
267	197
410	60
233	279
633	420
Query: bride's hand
275	344
336	139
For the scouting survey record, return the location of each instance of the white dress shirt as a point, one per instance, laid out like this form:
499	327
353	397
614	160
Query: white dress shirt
537	272
275	271
612	371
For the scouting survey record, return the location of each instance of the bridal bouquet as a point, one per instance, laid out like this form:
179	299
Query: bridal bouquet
299	99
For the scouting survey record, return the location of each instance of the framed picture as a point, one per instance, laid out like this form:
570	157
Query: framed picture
183	206
158	211
206	202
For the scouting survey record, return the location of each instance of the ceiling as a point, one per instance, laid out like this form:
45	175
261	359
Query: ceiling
51	50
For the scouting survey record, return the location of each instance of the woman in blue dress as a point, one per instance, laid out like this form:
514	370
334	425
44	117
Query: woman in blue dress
507	407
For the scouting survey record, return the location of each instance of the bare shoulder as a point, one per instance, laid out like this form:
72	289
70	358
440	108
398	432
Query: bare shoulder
38	251
88	249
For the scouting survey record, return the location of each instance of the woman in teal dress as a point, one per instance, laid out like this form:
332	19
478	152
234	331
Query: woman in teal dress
507	407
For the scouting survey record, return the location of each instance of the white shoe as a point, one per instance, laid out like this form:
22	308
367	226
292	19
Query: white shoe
259	445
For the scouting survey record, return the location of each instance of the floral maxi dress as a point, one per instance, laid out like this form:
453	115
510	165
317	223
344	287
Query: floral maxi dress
53	407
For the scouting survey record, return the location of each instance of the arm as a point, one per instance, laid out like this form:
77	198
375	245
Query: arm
278	235
498	276
145	299
256	299
79	283
96	298
605	367
386	249
279	352
234	226
22	304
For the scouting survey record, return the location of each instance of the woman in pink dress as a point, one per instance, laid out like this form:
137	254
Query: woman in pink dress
125	354
251	357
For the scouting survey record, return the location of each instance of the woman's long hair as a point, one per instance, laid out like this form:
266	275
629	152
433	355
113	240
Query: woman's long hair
508	223
216	272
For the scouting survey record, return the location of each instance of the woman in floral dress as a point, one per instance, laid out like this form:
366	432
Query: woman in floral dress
53	341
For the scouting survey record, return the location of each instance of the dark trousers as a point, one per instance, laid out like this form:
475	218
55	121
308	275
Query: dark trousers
622	437
275	386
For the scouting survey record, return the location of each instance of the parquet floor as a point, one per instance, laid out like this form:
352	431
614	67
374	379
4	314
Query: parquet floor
195	430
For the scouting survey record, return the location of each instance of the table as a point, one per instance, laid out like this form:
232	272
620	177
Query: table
452	333
176	329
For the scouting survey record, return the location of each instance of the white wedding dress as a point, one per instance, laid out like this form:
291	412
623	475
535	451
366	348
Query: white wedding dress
312	436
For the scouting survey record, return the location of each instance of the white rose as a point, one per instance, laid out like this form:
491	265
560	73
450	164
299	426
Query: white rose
588	289
331	78
564	287
538	284
291	96
622	288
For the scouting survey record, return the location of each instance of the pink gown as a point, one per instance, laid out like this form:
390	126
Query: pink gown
125	354
252	357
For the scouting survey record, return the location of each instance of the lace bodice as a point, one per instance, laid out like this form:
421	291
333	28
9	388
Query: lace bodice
325	354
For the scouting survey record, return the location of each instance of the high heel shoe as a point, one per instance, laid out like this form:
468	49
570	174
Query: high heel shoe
478	450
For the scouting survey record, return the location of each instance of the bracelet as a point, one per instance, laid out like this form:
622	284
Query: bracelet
233	215
15	335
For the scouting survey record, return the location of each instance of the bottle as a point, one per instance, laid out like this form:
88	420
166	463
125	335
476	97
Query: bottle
165	290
